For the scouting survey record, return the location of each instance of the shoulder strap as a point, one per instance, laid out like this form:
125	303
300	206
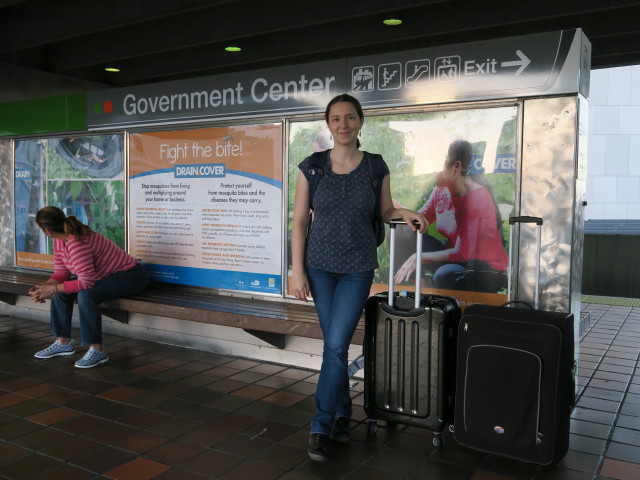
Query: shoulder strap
377	167
316	171
376	173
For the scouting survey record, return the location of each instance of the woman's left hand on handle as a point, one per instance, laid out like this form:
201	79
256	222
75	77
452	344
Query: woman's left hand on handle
410	217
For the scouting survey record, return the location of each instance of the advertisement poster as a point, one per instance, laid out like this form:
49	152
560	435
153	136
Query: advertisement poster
206	206
83	176
465	249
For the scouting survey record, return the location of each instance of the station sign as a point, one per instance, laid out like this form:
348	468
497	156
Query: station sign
552	63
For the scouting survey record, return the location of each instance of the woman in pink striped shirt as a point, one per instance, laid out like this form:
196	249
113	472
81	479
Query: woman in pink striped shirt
101	270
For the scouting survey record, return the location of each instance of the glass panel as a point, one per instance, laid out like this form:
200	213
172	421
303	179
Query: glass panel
465	251
84	176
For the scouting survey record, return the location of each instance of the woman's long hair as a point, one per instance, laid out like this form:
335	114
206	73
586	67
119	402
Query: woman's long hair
54	219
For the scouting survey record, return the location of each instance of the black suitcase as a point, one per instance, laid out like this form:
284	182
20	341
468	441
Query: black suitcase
409	351
515	379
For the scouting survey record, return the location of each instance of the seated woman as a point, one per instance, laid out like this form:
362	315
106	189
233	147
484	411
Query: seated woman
473	258
103	271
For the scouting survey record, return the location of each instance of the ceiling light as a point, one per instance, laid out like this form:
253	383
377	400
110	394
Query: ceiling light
112	69
392	21
233	49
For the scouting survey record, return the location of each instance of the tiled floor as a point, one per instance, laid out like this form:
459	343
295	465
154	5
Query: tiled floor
162	412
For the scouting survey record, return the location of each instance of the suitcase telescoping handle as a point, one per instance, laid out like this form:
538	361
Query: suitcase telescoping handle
392	260
519	221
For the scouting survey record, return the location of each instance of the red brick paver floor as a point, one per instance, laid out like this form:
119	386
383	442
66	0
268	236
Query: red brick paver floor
164	412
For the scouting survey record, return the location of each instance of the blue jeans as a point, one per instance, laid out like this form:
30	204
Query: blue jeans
480	277
339	300
120	284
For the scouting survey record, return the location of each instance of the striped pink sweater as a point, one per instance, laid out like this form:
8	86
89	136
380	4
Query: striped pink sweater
92	259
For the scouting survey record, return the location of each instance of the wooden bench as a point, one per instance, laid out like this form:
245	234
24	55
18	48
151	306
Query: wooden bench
271	320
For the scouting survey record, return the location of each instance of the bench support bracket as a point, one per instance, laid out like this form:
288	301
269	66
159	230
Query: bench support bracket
9	298
275	339
118	315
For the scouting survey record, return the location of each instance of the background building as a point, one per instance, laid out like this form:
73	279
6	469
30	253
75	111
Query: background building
613	171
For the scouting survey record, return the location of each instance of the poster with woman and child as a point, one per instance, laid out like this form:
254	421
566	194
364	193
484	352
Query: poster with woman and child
458	168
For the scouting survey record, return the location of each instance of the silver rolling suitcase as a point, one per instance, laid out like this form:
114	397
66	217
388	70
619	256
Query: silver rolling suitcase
409	351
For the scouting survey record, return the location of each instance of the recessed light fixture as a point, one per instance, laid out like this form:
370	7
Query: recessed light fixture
233	49
112	69
392	21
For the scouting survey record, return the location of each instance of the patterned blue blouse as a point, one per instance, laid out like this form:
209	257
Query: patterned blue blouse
341	237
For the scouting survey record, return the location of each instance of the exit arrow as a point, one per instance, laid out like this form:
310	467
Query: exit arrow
522	63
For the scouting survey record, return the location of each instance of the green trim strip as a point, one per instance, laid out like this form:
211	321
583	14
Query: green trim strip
65	113
616	301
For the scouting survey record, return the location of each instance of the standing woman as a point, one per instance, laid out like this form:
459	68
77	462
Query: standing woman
103	271
335	261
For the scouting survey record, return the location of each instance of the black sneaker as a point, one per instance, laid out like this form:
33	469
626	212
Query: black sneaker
341	432
318	447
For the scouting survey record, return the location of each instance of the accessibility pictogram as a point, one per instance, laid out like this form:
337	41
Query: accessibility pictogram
362	79
447	68
389	76
418	72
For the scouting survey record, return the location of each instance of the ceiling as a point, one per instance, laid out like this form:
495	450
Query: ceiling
160	40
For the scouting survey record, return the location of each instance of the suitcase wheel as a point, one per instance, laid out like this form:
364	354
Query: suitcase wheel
372	426
437	441
452	428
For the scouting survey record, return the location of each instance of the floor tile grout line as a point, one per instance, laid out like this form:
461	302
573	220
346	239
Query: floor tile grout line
595	368
592	324
584	337
616	417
